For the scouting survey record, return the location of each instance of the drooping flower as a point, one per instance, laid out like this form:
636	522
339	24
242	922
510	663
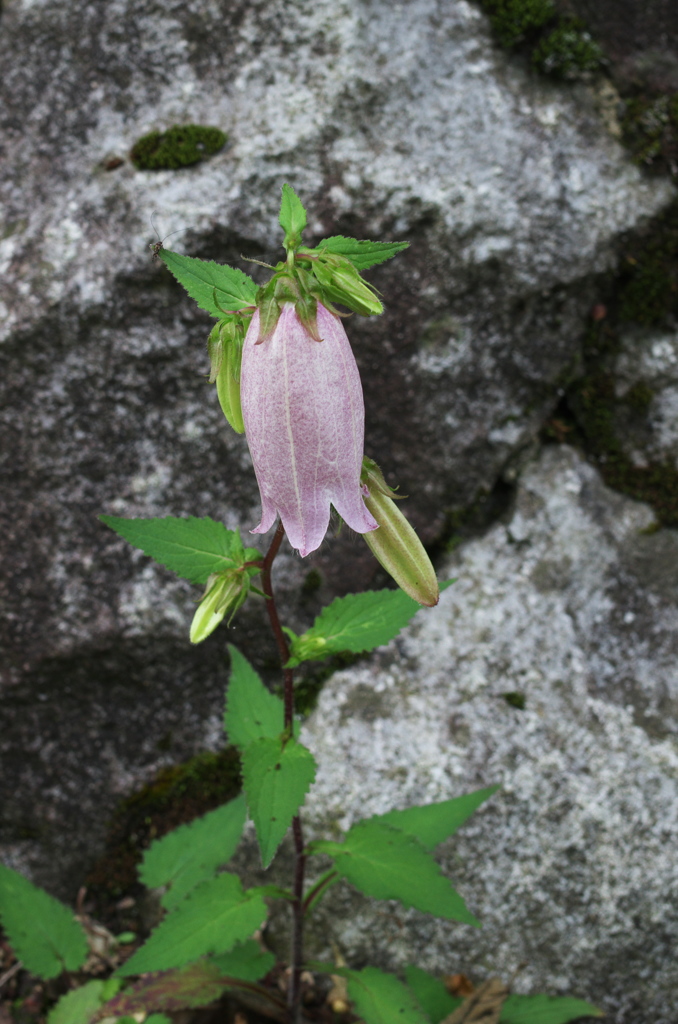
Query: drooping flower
302	405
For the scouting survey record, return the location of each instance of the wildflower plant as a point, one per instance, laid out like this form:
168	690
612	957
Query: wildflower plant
285	374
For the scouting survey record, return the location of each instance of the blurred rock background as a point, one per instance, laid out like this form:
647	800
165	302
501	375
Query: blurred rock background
521	388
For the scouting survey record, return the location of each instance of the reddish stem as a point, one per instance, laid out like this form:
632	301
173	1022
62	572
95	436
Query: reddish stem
280	638
294	991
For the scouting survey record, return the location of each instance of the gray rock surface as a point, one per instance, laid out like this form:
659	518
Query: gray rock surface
647	366
390	120
571	867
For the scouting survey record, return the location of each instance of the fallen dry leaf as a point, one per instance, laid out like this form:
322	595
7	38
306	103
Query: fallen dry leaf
483	1006
337	997
458	985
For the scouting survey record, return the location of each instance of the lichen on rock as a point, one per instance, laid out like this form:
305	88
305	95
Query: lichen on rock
570	867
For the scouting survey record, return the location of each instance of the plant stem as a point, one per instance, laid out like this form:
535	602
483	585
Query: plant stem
297	958
280	639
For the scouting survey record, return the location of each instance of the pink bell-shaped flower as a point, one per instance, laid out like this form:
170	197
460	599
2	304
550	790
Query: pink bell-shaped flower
302	404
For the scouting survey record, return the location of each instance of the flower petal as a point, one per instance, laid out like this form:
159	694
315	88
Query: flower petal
304	417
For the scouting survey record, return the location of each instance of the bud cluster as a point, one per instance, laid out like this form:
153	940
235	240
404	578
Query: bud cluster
309	277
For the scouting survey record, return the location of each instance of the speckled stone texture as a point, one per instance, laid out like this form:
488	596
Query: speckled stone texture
391	120
571	867
647	366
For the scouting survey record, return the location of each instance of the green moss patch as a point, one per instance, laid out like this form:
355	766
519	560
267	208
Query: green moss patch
567	52
646	290
556	46
650	130
179	146
513	21
515	700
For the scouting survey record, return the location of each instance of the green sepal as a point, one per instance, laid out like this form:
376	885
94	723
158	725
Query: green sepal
307	311
285	289
292	218
269	314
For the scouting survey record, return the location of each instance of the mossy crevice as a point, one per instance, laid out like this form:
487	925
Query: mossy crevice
176	795
650	130
562	46
643	292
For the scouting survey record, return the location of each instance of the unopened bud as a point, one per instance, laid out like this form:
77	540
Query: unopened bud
395	544
224	594
306	648
341	282
225	349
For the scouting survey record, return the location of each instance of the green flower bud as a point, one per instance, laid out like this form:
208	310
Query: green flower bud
224	594
395	544
225	349
341	282
304	648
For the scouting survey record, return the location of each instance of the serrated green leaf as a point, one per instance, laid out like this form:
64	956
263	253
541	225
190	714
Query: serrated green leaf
111	988
357	622
292	217
193	852
252	712
78	1006
277	774
362	253
192	548
158	1018
205	279
432	823
274	892
247	962
390	865
431	994
42	931
543	1009
380	998
211	919
196	985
